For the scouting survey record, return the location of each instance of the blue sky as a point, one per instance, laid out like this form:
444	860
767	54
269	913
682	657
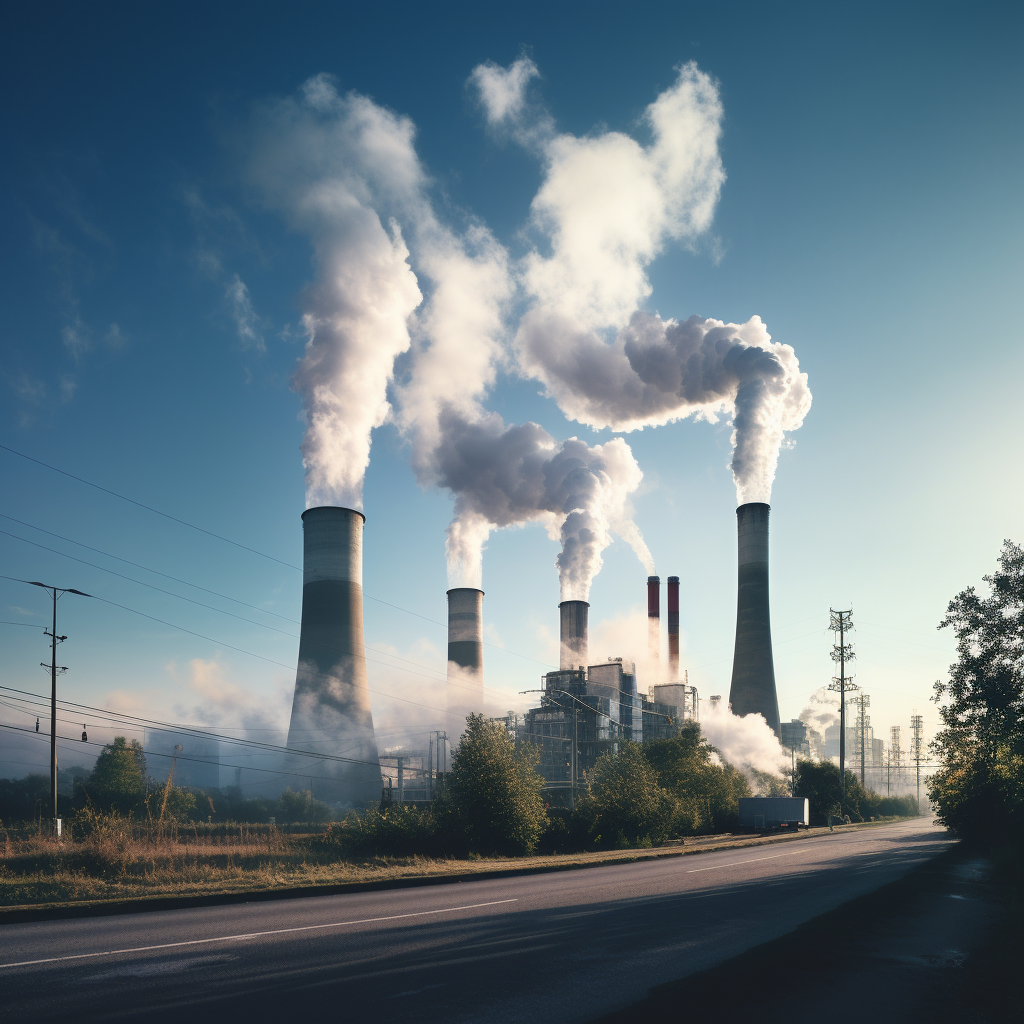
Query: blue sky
871	216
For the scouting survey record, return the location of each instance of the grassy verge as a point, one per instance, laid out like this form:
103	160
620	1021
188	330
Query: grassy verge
115	867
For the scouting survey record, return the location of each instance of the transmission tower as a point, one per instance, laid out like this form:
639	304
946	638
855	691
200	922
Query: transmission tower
916	749
842	623
863	702
895	757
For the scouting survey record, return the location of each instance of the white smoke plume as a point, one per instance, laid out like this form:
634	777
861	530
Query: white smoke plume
331	164
607	207
822	711
510	475
744	742
657	371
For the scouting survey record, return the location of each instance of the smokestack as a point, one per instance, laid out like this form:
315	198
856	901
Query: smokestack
673	629
572	617
753	671
466	649
654	617
331	706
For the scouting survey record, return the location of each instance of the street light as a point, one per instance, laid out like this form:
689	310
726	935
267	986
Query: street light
54	640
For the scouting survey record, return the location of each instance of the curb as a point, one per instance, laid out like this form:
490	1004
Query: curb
106	908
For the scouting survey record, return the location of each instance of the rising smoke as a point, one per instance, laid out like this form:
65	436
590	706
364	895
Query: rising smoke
509	475
606	208
746	742
339	169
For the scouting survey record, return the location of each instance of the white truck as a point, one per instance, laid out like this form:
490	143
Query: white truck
773	813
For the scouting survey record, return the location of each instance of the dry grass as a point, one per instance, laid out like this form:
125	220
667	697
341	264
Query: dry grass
123	861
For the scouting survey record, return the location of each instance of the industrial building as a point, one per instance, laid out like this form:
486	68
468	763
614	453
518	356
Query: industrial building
587	710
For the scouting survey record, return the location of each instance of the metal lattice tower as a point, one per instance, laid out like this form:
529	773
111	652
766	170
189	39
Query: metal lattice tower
841	623
863	702
895	756
917	749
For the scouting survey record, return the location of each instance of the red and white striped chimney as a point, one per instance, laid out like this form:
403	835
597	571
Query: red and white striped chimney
673	629
654	617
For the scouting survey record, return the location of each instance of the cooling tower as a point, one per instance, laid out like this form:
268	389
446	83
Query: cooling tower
654	617
331	708
673	629
572	617
465	650
753	671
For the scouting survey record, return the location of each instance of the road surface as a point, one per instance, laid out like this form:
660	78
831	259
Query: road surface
566	946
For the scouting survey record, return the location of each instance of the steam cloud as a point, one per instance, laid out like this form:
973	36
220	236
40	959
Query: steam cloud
607	207
509	475
745	742
329	164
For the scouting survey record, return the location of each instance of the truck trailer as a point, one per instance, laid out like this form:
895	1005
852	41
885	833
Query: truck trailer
771	813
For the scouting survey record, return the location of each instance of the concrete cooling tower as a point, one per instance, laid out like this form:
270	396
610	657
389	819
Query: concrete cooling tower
753	671
331	708
465	650
572	622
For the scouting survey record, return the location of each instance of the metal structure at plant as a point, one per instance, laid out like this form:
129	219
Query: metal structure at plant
466	649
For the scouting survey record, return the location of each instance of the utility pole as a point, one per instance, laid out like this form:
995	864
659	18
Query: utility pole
863	702
917	732
842	652
56	592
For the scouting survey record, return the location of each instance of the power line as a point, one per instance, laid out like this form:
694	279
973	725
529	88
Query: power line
145	568
149	508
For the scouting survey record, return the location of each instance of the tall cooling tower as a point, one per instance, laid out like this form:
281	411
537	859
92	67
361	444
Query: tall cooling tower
331	708
753	670
465	650
673	629
572	622
654	618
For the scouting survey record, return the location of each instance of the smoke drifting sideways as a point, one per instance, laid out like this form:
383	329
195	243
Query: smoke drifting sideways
606	208
510	475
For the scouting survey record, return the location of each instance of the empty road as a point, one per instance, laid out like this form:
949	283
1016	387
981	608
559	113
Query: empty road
567	946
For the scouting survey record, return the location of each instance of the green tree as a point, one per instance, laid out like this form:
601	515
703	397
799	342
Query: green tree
624	802
707	788
493	791
118	780
979	790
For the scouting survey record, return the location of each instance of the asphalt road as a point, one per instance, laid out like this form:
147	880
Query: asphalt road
567	946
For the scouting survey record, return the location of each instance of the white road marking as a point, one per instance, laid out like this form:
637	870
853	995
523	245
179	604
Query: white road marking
254	935
736	863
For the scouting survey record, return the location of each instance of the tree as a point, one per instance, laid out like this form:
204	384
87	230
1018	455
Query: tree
979	790
624	802
707	788
493	791
118	780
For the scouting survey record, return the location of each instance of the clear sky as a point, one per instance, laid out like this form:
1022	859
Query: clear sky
871	215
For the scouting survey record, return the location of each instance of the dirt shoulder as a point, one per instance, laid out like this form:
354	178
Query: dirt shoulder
25	899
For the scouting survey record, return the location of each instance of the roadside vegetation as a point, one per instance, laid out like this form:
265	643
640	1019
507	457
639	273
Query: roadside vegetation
128	837
979	788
